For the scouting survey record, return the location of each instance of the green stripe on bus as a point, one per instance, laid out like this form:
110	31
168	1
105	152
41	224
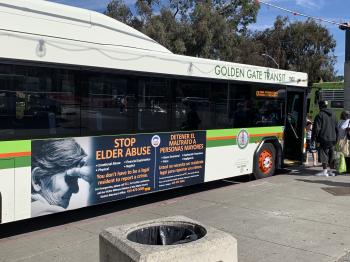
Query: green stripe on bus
231	142
23	161
217	143
15	146
15	162
255	139
227	137
251	131
7	163
221	132
263	130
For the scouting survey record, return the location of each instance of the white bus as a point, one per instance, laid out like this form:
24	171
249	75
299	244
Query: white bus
93	111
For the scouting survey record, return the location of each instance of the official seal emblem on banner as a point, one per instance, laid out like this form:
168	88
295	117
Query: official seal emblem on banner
155	141
242	139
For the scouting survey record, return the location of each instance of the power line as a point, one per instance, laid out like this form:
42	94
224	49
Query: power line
341	25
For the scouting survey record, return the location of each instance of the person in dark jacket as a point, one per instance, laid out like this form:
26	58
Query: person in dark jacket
325	133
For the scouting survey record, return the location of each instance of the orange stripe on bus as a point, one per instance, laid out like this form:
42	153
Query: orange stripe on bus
221	138
267	134
19	154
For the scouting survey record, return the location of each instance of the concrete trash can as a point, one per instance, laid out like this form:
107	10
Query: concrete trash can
169	239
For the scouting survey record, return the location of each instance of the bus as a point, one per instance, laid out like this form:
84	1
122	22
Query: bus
93	111
332	92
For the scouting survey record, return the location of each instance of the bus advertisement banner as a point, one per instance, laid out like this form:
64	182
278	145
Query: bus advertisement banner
70	173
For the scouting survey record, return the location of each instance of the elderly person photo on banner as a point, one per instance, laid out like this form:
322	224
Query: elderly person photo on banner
60	170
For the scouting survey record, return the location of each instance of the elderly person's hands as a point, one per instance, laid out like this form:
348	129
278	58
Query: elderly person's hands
83	171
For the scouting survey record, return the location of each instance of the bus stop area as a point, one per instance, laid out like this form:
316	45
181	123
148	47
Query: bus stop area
293	216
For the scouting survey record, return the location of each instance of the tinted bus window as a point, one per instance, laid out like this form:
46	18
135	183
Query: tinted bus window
254	106
222	105
268	106
337	104
153	104
108	104
38	102
241	105
192	106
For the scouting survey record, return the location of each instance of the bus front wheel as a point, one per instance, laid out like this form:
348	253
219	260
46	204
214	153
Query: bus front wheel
265	161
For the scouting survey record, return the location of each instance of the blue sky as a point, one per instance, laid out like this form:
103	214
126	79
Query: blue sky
337	10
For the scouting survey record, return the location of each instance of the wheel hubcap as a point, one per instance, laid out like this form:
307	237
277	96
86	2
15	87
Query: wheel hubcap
265	161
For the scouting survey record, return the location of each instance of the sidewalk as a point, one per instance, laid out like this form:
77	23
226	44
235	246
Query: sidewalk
290	217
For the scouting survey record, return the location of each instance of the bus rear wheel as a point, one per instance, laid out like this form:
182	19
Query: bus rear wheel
265	161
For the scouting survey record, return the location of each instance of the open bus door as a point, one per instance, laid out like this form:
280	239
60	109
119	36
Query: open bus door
294	126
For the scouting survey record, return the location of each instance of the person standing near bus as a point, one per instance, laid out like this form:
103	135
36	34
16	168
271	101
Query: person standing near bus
325	133
310	144
343	141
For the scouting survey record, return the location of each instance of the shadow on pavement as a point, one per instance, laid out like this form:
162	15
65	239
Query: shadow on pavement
57	219
325	182
299	170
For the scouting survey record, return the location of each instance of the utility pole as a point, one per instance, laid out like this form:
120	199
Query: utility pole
346	28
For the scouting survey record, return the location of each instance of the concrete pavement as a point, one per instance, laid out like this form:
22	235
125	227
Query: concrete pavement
289	217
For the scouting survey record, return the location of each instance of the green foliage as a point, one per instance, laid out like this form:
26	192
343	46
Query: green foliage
118	10
301	46
167	31
218	29
203	28
311	50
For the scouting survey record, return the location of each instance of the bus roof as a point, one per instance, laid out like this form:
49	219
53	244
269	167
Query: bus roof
37	30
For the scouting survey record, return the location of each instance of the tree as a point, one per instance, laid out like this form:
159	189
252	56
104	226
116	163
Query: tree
217	25
167	31
249	51
218	29
238	13
339	78
301	46
204	28
118	10
271	41
310	49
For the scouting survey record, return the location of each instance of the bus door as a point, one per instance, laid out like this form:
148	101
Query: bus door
294	127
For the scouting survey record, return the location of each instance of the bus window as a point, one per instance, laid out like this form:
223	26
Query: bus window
269	106
241	105
337	104
153	104
108	104
192	106
222	104
35	101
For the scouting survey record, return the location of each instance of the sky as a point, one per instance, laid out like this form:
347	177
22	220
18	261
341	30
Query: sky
336	10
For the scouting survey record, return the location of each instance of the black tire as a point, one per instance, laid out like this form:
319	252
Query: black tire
265	161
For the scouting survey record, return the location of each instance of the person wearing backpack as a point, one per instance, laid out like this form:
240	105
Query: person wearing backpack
325	133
